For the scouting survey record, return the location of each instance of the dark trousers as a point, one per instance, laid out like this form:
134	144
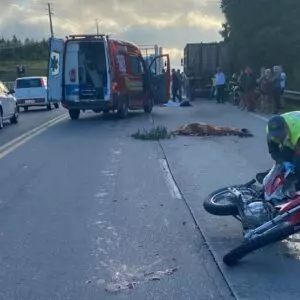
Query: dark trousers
220	93
176	92
277	99
180	92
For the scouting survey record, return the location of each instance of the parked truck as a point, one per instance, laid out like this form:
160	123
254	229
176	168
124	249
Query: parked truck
200	63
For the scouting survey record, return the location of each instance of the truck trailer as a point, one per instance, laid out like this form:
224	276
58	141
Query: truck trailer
200	63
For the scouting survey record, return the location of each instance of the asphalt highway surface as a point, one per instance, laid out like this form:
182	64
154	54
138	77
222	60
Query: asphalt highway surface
88	212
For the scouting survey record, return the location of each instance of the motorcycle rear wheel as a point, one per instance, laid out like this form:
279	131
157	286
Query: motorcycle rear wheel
277	234
227	208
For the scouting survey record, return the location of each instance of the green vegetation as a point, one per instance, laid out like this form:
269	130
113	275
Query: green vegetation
155	134
291	106
32	54
264	33
33	68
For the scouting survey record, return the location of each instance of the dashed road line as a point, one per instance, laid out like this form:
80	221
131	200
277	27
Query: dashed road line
175	193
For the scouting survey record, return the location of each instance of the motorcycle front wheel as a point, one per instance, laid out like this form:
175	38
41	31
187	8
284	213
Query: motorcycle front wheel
220	202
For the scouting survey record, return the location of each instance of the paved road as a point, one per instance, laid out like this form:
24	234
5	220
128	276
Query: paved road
96	215
27	121
101	211
201	165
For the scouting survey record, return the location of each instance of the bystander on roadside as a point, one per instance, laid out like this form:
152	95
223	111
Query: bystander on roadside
248	84
220	86
277	90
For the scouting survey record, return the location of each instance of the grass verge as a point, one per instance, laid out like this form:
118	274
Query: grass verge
8	69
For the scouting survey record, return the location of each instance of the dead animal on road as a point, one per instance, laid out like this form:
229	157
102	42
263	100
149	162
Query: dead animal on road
204	129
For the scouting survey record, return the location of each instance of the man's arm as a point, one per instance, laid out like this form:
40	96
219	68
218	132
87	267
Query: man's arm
296	162
274	150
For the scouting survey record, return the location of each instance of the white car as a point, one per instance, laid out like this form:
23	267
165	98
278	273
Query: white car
32	91
8	106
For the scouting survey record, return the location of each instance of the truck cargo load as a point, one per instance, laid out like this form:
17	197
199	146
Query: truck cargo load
200	63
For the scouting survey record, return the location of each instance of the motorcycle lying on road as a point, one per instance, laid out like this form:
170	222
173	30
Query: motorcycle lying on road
268	208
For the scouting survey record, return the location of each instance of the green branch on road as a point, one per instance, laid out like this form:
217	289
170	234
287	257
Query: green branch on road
155	134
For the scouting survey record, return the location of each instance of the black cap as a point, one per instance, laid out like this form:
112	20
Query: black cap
276	127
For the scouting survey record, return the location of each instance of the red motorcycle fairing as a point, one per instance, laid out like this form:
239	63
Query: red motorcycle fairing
295	201
273	185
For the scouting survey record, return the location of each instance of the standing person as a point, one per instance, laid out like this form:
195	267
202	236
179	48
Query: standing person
266	92
276	81
213	88
283	83
185	84
233	89
220	85
248	85
180	84
259	83
241	103
175	85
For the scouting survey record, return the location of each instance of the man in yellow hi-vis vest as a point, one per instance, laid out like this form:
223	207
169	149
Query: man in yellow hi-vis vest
283	137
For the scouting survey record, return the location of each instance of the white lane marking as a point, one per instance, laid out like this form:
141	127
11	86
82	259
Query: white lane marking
21	140
101	194
260	117
32	131
175	193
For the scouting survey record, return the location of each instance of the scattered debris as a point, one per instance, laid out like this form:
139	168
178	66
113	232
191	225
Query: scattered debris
183	103
158	133
204	129
115	287
171	103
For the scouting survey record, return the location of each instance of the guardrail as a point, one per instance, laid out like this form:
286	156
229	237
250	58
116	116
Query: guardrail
288	95
292	95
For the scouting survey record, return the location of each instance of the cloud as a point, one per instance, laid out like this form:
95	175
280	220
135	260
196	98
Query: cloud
168	23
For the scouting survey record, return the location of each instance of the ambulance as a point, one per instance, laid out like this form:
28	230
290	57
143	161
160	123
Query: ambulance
95	72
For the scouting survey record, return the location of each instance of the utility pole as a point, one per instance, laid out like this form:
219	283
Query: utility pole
50	19
97	26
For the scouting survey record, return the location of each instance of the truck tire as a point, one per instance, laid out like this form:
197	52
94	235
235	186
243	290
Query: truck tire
148	108
1	119
74	114
123	110
14	119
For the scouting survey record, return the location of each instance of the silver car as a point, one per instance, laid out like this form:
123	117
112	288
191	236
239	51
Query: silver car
8	106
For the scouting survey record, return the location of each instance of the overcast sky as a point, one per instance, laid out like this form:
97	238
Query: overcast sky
168	23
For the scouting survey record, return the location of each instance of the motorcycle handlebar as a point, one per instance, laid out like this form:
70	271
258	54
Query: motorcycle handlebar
250	183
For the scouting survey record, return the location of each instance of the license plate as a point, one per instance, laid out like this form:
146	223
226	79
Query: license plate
29	101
